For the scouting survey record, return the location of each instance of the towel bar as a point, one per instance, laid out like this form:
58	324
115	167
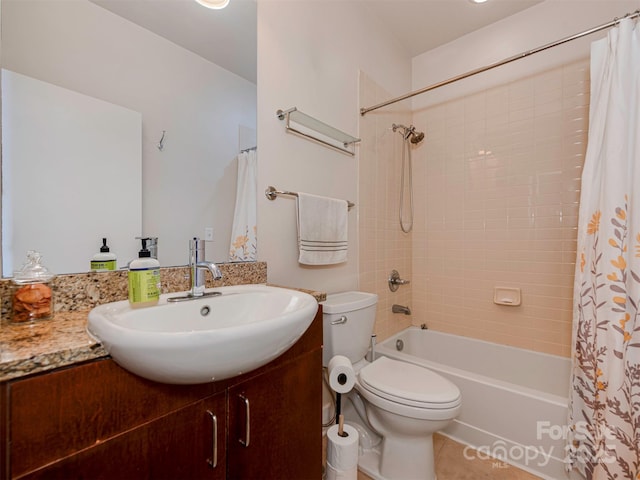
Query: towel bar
271	193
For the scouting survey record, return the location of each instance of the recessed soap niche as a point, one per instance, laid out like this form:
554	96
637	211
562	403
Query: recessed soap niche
508	296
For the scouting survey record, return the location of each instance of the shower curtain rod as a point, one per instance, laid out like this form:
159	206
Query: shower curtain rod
470	73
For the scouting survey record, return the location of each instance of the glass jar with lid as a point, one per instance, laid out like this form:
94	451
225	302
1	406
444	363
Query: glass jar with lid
32	297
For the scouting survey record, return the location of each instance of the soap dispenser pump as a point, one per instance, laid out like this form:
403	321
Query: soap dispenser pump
105	260
144	279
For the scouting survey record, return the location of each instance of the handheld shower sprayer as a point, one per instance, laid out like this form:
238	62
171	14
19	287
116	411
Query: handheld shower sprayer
409	134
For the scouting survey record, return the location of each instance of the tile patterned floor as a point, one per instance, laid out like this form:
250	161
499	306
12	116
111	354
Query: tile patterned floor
451	464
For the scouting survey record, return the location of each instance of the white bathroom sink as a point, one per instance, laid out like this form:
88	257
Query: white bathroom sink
207	339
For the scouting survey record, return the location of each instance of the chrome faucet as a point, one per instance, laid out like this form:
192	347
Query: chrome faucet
197	266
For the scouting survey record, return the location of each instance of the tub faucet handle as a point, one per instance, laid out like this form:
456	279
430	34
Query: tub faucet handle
395	281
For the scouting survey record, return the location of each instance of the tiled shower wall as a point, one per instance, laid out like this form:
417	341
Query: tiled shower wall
497	183
382	245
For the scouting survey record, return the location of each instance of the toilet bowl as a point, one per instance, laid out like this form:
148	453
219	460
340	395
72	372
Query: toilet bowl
403	403
406	404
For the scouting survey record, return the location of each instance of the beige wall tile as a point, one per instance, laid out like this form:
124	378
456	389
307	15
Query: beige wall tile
496	185
502	178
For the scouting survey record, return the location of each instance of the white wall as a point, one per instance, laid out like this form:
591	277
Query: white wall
191	183
309	55
534	27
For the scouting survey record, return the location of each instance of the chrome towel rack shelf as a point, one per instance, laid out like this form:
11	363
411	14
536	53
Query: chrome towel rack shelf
272	193
328	136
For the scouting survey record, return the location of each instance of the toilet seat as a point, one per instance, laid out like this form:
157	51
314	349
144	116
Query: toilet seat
408	384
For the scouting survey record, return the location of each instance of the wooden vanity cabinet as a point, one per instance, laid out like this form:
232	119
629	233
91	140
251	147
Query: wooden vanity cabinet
176	446
276	406
58	419
98	421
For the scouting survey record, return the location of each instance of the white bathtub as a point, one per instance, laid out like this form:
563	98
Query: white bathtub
514	401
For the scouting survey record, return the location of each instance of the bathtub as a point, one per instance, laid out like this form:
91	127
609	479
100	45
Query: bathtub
514	401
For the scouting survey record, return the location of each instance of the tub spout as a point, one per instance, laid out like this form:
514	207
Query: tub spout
400	309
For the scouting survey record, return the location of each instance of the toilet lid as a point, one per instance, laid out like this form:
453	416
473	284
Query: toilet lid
409	384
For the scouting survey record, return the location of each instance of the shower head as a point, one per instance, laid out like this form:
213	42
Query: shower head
409	133
417	137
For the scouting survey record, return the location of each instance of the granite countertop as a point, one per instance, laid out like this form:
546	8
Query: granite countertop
50	344
45	345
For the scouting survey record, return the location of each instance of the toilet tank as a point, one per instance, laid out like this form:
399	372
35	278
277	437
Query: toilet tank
348	319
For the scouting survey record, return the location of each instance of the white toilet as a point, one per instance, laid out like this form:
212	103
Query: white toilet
403	403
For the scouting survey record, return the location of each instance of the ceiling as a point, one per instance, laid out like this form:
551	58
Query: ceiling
419	25
226	37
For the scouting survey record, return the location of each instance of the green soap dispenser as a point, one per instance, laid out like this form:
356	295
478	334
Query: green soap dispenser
105	260
144	279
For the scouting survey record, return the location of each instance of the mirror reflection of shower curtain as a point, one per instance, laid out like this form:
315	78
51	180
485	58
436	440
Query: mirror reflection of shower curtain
605	394
244	231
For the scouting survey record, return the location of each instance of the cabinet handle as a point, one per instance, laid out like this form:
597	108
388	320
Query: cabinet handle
213	461
247	431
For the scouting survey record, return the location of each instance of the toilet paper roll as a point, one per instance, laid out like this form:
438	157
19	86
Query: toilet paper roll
333	473
342	453
342	378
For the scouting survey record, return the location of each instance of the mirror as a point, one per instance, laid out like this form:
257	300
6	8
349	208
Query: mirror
195	91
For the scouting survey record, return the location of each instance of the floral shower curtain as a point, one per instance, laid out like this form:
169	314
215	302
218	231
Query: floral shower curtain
604	433
244	230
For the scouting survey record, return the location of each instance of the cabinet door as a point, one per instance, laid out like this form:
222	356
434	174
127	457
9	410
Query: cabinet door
275	423
56	414
179	445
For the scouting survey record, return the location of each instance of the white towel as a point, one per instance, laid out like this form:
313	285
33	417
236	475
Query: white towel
322	230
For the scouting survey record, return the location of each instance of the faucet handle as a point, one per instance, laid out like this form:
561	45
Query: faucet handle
395	281
196	244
